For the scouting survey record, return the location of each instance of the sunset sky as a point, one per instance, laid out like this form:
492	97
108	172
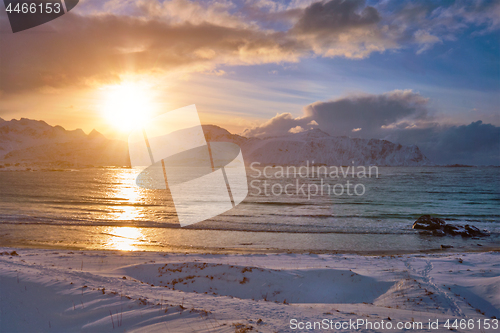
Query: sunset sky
412	72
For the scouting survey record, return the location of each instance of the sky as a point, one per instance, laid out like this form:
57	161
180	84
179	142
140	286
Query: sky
413	72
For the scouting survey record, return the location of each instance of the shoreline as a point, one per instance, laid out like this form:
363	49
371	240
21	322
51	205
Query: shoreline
216	242
256	251
234	242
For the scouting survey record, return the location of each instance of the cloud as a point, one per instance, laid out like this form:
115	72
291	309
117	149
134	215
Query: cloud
336	16
296	129
194	12
475	143
100	41
478	140
76	49
281	124
400	116
373	113
353	29
444	19
426	40
464	13
343	28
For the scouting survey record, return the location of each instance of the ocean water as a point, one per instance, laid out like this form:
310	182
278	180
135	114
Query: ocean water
103	209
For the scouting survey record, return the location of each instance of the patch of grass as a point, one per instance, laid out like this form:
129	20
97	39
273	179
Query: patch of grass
242	328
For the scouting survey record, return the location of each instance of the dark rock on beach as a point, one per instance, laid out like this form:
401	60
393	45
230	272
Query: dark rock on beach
438	227
428	222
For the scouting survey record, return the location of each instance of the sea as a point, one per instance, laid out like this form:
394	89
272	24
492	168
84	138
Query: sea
322	210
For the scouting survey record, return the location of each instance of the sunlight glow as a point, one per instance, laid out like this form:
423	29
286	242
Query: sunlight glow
124	238
128	105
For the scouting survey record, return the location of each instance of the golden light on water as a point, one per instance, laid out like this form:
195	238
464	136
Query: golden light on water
129	195
128	211
124	238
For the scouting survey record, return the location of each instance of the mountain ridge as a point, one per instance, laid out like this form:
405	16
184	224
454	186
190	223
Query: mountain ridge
31	142
36	143
321	148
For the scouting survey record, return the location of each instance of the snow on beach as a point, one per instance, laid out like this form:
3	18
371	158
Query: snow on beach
108	291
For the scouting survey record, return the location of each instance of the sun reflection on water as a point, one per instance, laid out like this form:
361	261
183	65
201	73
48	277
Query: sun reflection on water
129	195
129	211
124	238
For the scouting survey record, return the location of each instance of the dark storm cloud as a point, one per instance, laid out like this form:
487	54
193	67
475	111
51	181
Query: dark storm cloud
476	143
366	115
336	16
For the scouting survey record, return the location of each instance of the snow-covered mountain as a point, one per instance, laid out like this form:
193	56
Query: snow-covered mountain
322	149
34	142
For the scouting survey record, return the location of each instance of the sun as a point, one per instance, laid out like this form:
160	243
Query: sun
127	106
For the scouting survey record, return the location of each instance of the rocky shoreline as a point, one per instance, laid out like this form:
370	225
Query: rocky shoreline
435	226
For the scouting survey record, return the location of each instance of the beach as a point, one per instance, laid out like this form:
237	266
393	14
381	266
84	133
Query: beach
88	251
48	290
